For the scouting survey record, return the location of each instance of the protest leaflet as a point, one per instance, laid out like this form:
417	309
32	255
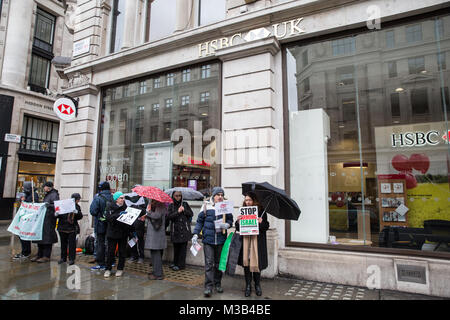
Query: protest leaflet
29	221
64	206
130	216
248	225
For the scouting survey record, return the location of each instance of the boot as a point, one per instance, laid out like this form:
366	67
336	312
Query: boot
248	282
257	279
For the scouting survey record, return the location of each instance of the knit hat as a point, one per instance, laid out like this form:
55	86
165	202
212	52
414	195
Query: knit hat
104	186
48	184
217	190
76	196
117	195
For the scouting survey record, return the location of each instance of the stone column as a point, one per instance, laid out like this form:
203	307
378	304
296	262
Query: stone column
129	24
252	126
18	45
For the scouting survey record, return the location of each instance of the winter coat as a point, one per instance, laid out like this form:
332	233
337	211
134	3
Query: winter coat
180	223
262	242
69	222
29	197
205	224
116	229
48	231
156	232
97	209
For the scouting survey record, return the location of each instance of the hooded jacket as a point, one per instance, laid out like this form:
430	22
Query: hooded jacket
69	222
180	223
28	193
97	209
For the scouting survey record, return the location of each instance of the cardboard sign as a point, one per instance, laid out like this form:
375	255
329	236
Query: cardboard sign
248	225
130	216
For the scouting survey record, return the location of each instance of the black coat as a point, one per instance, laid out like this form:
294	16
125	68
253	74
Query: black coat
116	229
262	243
29	197
69	222
180	223
48	231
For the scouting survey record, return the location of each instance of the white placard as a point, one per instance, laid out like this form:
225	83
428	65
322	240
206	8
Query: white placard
398	187
223	207
385	188
130	216
402	209
64	206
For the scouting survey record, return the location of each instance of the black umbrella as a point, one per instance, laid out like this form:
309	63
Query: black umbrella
275	201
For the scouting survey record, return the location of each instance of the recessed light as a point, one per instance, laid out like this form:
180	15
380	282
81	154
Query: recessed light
399	90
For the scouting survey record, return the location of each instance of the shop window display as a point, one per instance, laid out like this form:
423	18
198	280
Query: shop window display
388	153
138	144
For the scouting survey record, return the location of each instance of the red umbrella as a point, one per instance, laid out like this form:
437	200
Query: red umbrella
153	193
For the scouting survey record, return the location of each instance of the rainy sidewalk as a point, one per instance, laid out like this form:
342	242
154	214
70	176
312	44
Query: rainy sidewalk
50	281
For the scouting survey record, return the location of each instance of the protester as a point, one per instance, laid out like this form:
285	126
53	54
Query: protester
156	237
212	241
117	234
180	216
138	229
253	255
49	236
26	245
97	210
68	229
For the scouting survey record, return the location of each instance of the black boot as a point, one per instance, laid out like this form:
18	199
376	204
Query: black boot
257	279
248	282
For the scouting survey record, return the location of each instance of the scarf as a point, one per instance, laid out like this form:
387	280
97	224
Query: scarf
250	253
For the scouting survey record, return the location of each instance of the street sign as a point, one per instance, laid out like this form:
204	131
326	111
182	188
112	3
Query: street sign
64	109
15	138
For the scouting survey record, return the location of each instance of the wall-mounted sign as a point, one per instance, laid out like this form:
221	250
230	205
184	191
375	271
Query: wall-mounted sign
65	109
81	46
14	138
279	30
416	139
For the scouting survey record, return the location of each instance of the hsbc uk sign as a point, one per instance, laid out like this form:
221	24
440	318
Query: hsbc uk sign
279	30
65	109
418	138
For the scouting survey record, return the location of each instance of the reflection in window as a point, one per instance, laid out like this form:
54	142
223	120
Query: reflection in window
414	33
395	104
204	97
419	101
441	61
390	39
118	17
186	75
439	28
157	83
343	46
170	79
416	65
348	109
184	101
211	11
162	18
392	69
206	71
345	75
142	87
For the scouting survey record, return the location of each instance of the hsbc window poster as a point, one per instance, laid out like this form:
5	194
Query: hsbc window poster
420	151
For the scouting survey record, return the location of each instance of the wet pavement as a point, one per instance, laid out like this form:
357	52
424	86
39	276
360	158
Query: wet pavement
24	280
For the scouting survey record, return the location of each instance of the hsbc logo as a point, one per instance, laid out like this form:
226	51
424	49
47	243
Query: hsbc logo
418	139
65	109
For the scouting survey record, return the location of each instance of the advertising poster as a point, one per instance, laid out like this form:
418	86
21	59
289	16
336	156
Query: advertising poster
157	165
420	152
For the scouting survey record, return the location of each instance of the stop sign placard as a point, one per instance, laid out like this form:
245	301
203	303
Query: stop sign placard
64	109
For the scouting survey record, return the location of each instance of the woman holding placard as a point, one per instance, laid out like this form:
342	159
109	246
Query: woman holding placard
253	255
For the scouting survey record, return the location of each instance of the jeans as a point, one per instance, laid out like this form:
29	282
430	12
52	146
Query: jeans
70	240
179	254
157	262
26	247
101	249
213	276
44	250
122	244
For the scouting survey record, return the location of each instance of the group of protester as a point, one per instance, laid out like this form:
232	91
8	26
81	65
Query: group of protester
110	234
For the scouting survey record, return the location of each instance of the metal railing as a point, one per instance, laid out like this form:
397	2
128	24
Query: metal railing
38	145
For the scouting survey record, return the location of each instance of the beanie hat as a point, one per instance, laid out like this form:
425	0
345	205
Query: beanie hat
76	196
48	184
217	190
117	195
104	186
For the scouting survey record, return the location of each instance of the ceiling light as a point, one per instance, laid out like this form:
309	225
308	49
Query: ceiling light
399	90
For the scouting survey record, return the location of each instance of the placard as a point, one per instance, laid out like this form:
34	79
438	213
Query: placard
28	222
130	216
224	207
248	225
64	206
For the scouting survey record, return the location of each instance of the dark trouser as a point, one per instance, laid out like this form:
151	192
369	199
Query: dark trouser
157	262
68	239
248	276
179	254
122	244
213	276
137	251
26	247
100	253
45	250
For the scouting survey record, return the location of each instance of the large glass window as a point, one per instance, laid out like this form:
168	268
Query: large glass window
211	11
162	18
118	18
141	143
388	153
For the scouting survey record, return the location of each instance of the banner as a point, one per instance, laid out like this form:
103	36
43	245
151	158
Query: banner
64	206
29	221
248	225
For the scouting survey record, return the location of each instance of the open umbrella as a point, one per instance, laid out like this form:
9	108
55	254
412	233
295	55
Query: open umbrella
187	193
152	193
274	201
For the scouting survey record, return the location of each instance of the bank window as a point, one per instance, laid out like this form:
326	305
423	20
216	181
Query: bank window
395	104
157	83
343	46
206	71
185	101
204	97
419	101
42	51
378	159
390	39
155	109
186	75
306	86
117	25
154	133
126	90
392	69
414	33
168	104
416	65
39	135
211	11
170	80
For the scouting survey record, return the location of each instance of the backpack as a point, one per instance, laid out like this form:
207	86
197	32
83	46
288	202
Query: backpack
102	218
89	245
